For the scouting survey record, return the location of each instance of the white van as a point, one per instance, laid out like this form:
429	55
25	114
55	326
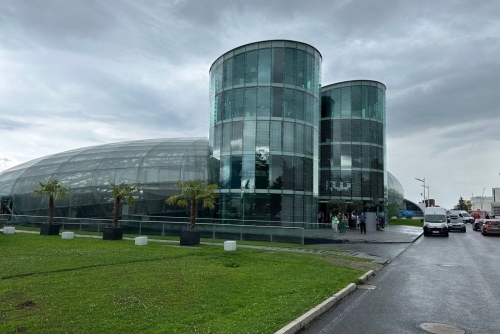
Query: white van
464	216
435	221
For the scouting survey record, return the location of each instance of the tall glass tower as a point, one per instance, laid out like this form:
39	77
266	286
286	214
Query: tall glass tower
264	131
352	142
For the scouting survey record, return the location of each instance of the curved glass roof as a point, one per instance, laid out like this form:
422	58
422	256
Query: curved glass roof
396	193
154	166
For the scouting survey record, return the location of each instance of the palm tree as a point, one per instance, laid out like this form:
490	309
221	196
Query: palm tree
54	189
122	191
191	193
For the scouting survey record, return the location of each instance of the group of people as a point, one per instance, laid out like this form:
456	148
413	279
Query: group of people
341	221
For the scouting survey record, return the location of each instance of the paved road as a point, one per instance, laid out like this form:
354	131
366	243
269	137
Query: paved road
450	282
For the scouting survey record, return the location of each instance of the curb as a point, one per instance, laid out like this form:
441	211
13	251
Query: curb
301	322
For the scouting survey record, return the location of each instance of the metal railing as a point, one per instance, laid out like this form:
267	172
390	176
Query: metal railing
172	226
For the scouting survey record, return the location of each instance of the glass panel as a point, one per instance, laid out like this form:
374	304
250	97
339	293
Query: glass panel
226	137
298	181
287	173
345	187
248	172
278	59
262	140
346	101
288	104
356	156
239	102
300	107
356	130
225	172
250	101
337	102
228	72
326	155
276	136
263	101
239	69
251	67
356	101
236	171
326	131
308	174
227	105
249	136
345	130
288	136
275	175
237	136
308	140
264	66
299	138
301	69
290	66
262	169
345	156
277	102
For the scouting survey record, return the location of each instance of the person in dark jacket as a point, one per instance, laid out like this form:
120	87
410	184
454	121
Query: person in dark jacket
362	223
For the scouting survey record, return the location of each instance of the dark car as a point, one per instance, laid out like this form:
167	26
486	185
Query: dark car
490	226
455	223
477	224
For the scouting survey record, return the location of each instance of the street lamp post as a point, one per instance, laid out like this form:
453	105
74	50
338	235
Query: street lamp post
423	181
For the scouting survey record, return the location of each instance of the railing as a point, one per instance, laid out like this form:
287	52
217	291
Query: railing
172	226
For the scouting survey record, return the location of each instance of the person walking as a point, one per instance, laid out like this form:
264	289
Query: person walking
362	223
335	223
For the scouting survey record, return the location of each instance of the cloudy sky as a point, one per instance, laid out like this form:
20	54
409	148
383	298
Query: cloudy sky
76	73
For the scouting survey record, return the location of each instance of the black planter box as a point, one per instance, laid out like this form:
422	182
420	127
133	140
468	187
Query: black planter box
52	229
112	233
190	238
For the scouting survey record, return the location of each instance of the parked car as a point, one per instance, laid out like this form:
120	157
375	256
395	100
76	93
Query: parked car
455	223
490	226
477	224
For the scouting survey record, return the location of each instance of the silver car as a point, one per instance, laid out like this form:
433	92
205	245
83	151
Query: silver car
455	223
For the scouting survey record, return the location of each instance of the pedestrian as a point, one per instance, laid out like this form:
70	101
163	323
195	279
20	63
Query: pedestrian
353	220
362	223
380	223
335	223
321	219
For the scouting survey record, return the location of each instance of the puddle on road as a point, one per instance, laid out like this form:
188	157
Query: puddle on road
436	328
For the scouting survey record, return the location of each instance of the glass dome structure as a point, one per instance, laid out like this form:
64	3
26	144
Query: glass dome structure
396	193
154	166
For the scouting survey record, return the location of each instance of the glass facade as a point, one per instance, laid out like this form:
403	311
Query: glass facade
154	166
352	142
396	194
264	131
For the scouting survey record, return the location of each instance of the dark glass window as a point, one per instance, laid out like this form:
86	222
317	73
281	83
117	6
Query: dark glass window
356	183
277	102
227	104
275	175
262	169
326	155
299	138
237	136
308	140
345	130
300	107
336	155
326	131
226	137
356	130
225	172
236	162
287	173
356	101
278	60
298	172
346	101
290	66
345	187
288	136
356	156
308	174
262	139
301	69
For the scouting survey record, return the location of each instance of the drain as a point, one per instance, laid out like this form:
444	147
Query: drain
436	328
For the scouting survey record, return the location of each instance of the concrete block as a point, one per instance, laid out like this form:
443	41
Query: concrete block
9	229
141	241
67	235
229	245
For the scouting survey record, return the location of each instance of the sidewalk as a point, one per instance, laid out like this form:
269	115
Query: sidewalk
391	234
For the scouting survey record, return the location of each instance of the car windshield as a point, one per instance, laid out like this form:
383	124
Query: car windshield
435	218
465	214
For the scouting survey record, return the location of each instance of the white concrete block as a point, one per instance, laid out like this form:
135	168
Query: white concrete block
9	229
67	235
229	245
141	241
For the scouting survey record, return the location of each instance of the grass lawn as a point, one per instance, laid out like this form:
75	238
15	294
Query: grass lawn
407	222
88	285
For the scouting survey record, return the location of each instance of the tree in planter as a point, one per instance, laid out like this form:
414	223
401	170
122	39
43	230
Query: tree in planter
54	190
122	191
190	194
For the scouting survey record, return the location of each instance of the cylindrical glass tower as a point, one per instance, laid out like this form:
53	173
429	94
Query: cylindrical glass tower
264	131
352	143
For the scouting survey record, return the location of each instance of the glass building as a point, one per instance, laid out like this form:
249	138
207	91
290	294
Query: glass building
352	142
154	166
264	130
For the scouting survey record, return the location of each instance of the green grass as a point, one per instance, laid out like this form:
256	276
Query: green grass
407	222
88	285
